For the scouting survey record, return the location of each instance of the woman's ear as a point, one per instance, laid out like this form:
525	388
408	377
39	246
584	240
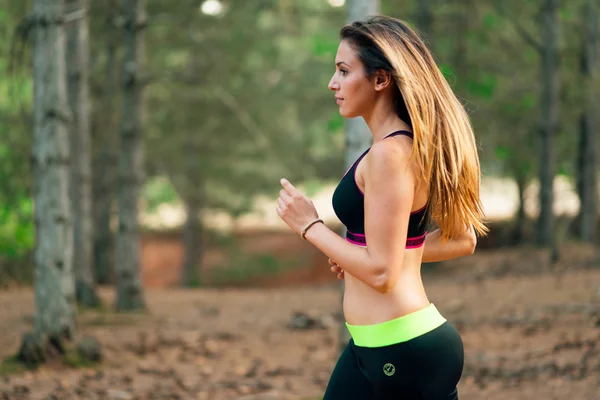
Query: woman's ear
382	80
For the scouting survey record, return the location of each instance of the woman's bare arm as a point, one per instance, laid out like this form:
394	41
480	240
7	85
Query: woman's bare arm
438	250
389	190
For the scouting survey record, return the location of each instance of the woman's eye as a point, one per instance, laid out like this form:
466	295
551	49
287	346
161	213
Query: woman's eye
343	72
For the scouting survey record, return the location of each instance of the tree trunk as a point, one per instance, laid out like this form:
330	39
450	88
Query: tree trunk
425	21
191	190
581	143
358	137
549	120
105	164
466	9
131	174
588	216
192	239
519	233
80	185
55	311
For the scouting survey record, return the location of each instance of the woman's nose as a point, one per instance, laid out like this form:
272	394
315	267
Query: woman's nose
333	84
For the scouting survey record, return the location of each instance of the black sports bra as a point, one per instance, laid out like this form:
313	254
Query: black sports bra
349	205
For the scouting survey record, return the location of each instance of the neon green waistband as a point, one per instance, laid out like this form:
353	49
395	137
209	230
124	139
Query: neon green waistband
397	330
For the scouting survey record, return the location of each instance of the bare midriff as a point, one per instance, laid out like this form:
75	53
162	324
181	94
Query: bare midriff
363	305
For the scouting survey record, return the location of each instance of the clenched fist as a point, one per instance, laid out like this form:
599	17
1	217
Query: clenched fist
294	208
335	268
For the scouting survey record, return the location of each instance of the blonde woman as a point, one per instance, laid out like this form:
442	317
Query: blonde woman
422	166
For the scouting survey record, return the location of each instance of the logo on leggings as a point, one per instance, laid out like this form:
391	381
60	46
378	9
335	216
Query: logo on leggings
389	369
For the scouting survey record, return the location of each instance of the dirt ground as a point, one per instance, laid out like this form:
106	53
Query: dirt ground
530	332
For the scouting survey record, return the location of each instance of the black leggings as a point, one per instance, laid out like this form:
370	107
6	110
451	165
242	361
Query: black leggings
427	367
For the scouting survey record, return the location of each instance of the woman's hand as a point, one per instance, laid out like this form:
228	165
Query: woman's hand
294	208
336	269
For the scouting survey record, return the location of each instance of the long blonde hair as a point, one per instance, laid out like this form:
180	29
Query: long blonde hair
444	146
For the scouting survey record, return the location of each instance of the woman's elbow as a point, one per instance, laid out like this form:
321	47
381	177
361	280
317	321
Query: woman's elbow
384	280
470	244
383	287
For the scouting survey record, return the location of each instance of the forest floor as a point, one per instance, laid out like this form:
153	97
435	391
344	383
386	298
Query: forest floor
530	332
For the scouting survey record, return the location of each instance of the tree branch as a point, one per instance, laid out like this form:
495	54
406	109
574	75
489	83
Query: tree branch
75	15
525	35
242	115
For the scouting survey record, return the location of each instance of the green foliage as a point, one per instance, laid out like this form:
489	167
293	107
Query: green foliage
158	191
75	359
16	208
336	123
195	281
312	187
447	72
490	20
246	106
483	86
566	14
242	267
528	101
565	170
12	366
17	232
102	309
324	46
502	152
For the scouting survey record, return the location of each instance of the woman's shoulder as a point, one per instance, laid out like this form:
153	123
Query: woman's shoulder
393	151
391	158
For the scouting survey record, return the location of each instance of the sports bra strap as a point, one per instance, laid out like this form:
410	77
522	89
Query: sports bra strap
405	133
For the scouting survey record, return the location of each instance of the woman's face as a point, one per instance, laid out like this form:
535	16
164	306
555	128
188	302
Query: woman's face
354	92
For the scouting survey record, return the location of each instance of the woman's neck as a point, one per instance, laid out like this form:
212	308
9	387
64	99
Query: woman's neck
383	120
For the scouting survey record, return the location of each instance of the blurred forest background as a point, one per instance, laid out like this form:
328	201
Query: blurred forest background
151	135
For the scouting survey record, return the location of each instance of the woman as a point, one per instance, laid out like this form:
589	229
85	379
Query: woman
422	166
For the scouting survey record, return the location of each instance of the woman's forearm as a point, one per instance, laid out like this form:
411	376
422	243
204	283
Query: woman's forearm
356	260
438	250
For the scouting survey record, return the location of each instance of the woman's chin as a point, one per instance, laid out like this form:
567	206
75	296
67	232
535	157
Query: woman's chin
346	114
